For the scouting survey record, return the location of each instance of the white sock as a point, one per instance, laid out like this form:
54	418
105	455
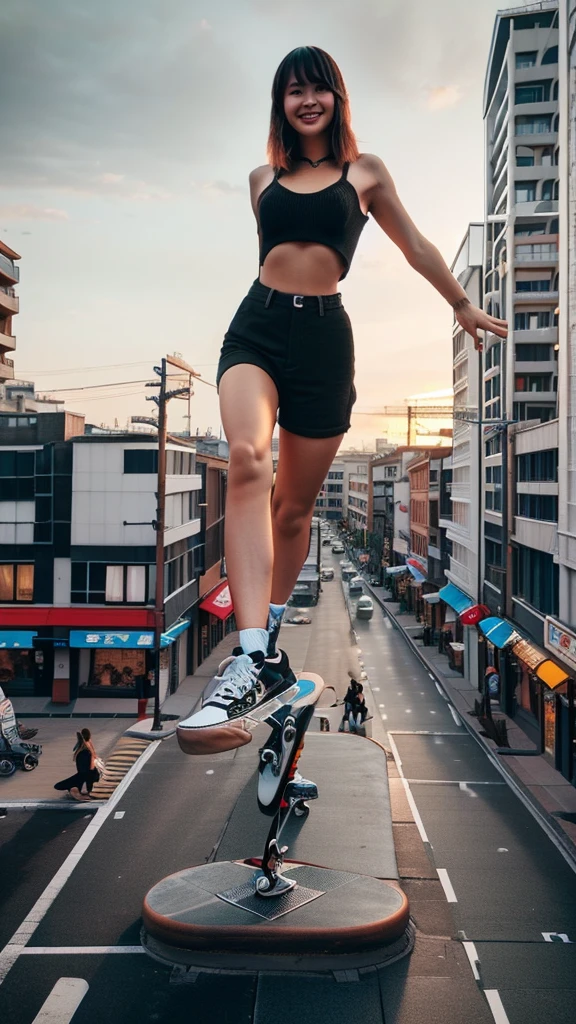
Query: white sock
252	640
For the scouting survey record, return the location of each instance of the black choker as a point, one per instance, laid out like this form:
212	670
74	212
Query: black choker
316	163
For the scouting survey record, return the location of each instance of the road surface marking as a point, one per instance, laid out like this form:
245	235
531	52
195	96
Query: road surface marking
384	717
63	1001
447	885
495	1004
73	950
431	676
502	849
119	814
464	787
452	782
470	950
13	948
556	937
210	771
415	811
440	691
455	715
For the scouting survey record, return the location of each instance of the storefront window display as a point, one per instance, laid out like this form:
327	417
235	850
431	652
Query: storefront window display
119	670
17	672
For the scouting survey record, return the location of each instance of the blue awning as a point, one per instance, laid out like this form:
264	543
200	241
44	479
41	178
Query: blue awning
14	638
498	631
174	632
128	639
395	570
415	573
455	598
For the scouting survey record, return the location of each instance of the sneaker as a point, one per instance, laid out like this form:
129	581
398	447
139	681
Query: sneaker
236	690
276	669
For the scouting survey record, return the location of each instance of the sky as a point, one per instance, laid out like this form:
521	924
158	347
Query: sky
128	132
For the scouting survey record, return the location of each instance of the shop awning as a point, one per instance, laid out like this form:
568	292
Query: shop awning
537	660
473	615
498	632
14	638
415	563
455	598
395	570
219	601
431	598
127	639
418	576
174	632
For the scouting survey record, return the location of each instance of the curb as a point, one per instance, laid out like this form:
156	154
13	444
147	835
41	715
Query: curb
143	730
548	822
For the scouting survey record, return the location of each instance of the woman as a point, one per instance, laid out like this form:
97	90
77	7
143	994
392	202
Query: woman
87	774
349	700
289	352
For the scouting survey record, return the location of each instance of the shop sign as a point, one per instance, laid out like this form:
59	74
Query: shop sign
129	639
559	640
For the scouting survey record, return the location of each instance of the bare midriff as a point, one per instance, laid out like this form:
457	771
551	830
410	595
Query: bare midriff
302	268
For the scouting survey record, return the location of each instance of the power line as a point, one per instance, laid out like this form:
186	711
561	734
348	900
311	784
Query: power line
121	383
102	366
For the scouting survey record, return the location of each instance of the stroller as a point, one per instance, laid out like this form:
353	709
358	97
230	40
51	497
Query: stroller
13	752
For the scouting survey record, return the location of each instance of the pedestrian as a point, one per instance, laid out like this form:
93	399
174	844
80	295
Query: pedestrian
358	711
349	699
288	355
85	757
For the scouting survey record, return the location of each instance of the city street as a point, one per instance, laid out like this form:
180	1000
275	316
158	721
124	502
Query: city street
510	890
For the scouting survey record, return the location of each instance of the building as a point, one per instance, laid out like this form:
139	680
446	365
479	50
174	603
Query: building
389	527
329	502
215	613
78	558
9	307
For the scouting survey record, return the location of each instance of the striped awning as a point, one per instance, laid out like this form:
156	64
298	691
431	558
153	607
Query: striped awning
498	631
455	598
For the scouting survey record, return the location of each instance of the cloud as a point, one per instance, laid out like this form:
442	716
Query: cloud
443	96
26	211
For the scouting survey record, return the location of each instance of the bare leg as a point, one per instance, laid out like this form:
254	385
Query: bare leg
248	406
302	466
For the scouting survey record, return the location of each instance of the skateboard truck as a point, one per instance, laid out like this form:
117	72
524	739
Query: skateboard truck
271	882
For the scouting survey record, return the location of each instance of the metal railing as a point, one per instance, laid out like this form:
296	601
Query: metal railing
9	267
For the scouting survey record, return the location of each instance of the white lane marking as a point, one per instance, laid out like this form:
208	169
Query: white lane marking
431	676
408	711
119	814
384	717
432	712
396	754
495	1004
210	771
415	811
387	623
21	937
452	782
447	885
502	849
464	787
455	715
556	937
63	1001
440	691
73	950
470	950
52	805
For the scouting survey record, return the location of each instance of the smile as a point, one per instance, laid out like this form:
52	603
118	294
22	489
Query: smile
310	117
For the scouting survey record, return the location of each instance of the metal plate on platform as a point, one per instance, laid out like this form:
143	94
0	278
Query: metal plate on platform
268	907
319	878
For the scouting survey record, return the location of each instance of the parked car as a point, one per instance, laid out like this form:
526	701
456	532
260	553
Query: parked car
364	608
345	563
327	574
337	548
355	584
326	540
348	573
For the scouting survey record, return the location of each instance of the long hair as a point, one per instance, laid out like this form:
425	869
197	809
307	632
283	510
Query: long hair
317	66
83	742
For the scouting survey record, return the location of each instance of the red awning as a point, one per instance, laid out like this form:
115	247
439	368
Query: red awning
21	617
219	601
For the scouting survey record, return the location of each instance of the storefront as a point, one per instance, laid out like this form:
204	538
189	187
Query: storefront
17	663
106	664
216	619
560	641
545	694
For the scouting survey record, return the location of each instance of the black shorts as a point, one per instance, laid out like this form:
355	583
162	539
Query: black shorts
305	344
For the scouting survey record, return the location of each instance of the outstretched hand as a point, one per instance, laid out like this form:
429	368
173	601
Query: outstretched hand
473	319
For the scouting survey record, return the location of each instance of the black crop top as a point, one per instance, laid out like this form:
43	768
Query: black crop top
332	217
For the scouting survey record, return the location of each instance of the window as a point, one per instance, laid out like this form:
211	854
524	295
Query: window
525	191
534	285
16	583
141	461
536	579
96	583
550	56
493	356
538	125
532	321
538	250
493	446
533	382
533	353
547	189
526	59
538	506
533	92
534	466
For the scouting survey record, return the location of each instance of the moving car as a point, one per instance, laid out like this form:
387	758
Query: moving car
326	540
355	585
345	563
337	548
327	574
348	573
364	608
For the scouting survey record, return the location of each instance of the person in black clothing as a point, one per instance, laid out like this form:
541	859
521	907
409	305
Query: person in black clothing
87	774
349	702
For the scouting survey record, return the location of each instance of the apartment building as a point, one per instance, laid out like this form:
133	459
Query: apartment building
390	505
329	501
78	559
9	307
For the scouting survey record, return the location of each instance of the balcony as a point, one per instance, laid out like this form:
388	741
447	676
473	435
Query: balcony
532	297
539	366
536	397
9	301
537	259
7	342
541	335
6	368
536	206
9	268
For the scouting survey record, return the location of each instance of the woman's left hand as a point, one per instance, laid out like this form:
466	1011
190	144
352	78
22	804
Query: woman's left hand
473	319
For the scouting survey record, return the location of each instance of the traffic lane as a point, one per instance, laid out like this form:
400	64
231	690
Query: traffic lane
33	845
549	979
449	757
124	988
510	881
173	815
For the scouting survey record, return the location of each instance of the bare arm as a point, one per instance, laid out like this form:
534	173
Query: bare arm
389	213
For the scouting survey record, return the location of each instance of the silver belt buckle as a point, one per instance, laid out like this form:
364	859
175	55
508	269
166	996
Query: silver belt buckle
297	303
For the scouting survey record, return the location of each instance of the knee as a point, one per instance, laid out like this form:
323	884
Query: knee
249	464
290	516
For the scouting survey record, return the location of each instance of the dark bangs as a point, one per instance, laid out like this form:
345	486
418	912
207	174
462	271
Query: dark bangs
314	65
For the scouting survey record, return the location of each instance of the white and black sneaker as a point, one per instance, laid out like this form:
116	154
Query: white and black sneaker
234	692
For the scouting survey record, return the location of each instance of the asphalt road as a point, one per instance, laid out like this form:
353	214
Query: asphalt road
508	885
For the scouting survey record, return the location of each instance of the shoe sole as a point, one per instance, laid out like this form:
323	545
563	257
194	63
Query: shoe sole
207	739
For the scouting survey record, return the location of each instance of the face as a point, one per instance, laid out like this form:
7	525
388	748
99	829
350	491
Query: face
308	106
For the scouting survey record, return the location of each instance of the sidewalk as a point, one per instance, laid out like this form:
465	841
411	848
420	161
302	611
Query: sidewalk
544	788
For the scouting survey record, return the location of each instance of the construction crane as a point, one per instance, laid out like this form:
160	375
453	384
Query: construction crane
412	412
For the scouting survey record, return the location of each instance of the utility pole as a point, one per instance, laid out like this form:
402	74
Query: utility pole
162	399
